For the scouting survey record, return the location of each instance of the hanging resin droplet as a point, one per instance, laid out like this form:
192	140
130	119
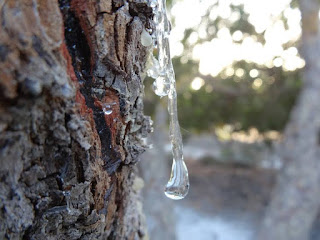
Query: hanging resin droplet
107	111
161	87
107	108
178	185
68	200
146	39
154	67
153	3
165	85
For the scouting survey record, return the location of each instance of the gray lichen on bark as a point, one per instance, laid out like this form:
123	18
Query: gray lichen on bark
60	62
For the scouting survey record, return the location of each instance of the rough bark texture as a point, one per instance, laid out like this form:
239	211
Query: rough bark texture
296	196
61	63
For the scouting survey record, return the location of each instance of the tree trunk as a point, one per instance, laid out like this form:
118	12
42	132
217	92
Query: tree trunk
71	120
296	196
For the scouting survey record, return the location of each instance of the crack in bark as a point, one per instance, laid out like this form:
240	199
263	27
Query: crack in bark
116	39
80	170
58	122
79	50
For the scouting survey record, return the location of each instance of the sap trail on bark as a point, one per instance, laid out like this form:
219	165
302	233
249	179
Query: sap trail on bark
61	64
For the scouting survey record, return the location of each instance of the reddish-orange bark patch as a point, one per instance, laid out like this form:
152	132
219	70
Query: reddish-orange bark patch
111	102
85	11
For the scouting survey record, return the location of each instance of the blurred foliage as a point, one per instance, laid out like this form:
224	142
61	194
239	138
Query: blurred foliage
233	100
169	3
230	98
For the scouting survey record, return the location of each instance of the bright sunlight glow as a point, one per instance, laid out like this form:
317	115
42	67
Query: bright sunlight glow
197	83
219	53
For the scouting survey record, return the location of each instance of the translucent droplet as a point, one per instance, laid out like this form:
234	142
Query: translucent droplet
146	39
107	110
68	200
164	84
178	185
153	3
154	68
167	29
158	18
161	87
152	73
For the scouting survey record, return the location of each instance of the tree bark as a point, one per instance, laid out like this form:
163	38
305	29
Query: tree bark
296	196
71	120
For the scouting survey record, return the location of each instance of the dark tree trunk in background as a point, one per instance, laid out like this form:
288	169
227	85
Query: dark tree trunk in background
61	64
296	198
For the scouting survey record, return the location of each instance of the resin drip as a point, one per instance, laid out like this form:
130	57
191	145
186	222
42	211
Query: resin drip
164	84
68	200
